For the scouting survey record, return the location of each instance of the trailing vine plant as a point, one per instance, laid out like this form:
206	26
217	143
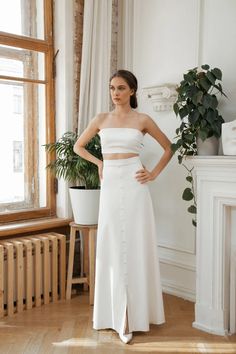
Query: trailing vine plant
196	106
189	195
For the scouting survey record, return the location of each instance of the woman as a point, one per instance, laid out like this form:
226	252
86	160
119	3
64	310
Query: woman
128	294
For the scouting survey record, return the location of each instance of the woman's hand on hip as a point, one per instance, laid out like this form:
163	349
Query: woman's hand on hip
144	175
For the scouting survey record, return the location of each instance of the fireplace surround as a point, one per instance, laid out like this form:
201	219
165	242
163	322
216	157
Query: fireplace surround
215	305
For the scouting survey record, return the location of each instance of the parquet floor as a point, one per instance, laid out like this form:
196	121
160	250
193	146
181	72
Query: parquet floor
66	327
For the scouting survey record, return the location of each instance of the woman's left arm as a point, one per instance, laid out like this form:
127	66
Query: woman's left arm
152	129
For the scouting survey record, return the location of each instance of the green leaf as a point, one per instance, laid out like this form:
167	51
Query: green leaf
174	147
211	77
205	67
201	110
207	100
183	112
180	159
217	73
205	83
176	108
203	124
192	209
191	91
210	116
202	134
189	178
194	223
217	129
189	137
193	116
214	102
189	78
179	142
187	194
199	96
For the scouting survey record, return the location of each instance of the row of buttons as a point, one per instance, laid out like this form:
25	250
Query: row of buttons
123	236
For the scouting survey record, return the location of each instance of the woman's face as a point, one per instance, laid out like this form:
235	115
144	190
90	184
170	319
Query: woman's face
120	91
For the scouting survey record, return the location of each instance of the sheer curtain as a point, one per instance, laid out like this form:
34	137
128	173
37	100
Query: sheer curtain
95	65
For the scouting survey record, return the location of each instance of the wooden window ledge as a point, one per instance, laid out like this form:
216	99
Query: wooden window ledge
24	227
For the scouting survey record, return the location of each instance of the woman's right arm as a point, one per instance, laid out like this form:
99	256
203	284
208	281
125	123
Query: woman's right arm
79	147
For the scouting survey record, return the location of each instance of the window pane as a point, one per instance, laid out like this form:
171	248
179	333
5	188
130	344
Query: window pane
22	156
21	63
22	17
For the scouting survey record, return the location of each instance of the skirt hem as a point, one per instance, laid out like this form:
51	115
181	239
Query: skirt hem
137	329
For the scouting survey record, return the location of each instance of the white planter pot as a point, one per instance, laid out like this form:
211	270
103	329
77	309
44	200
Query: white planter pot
208	147
85	205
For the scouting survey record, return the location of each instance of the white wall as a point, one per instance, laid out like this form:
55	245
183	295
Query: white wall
170	37
218	47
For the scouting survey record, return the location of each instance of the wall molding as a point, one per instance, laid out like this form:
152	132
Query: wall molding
162	96
178	272
175	248
177	264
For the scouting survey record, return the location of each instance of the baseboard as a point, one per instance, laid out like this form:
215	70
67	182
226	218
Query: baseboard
177	290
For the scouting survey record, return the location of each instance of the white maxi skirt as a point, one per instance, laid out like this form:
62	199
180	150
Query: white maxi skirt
127	276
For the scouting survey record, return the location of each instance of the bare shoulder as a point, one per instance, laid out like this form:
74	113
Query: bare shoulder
146	121
98	120
144	117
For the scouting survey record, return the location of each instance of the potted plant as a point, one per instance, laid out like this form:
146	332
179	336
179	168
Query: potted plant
196	106
200	127
81	173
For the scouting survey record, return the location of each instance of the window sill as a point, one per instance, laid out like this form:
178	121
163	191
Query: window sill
23	227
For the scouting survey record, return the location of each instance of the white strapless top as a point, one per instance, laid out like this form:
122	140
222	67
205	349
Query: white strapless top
121	140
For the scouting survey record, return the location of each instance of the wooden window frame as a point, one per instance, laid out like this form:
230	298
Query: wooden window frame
45	46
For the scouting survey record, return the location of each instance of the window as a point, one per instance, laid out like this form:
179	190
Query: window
26	109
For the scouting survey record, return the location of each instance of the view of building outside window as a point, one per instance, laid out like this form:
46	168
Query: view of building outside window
14	16
11	135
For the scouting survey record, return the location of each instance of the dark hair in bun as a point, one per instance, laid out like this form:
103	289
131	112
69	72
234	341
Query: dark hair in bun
131	81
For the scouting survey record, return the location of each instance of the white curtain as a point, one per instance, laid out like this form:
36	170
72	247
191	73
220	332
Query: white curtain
95	65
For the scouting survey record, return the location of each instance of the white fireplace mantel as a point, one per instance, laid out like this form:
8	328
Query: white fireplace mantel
216	195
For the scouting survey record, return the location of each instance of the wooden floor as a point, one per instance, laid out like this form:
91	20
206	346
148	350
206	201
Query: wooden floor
66	327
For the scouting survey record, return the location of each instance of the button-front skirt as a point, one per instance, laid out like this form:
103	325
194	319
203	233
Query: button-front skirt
127	278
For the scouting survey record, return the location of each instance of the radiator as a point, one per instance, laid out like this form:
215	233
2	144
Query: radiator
32	271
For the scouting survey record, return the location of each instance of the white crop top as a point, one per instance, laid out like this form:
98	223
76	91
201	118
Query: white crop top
121	140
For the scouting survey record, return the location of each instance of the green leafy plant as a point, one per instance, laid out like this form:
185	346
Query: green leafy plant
70	166
189	195
196	106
